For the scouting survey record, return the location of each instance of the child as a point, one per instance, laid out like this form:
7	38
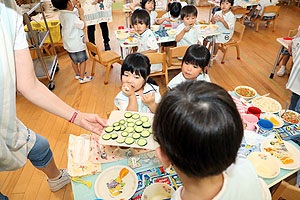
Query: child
225	19
139	92
73	36
199	130
186	33
172	16
194	66
147	43
149	6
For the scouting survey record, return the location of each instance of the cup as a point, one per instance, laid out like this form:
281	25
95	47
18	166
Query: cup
158	191
250	121
123	151
265	126
254	111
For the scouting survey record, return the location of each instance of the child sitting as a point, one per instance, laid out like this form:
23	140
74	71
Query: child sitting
199	130
147	43
225	19
194	65
73	36
149	6
139	92
172	16
186	33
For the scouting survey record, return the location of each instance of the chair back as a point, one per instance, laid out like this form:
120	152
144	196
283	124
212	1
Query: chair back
174	53
160	13
156	58
292	33
93	49
240	11
286	191
238	31
270	9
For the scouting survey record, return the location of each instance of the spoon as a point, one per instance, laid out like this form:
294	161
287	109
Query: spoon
286	105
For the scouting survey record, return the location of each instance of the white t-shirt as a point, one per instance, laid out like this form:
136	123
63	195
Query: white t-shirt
179	78
189	38
153	16
240	183
226	34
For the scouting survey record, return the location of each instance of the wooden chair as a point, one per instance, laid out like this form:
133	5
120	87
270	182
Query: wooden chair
239	11
286	191
292	33
267	9
156	58
106	58
234	41
160	13
174	53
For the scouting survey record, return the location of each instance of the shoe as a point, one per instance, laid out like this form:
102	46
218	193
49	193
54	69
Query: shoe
86	79
78	76
281	71
63	180
106	47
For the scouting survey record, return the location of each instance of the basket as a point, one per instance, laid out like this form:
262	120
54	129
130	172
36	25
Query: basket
54	27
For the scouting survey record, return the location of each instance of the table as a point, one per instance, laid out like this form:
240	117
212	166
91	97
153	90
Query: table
284	45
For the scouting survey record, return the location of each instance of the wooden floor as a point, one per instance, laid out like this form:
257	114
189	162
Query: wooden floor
258	53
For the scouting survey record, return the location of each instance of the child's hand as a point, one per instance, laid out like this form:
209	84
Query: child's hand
148	98
187	28
167	19
127	89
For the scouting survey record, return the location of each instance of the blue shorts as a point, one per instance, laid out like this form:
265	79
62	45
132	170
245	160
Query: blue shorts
40	154
78	57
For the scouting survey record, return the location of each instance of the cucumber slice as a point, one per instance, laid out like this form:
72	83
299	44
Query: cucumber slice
130	120
128	114
150	130
109	129
142	142
135	116
146	125
144	119
129	129
122	122
114	136
138	123
136	135
106	136
129	140
120	140
130	124
145	133
124	134
117	128
116	124
138	129
122	128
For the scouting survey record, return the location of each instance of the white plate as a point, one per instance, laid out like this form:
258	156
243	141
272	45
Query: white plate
269	115
134	41
282	111
265	165
293	153
110	174
265	103
247	87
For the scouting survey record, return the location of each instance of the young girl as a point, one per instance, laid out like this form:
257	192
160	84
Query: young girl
139	92
194	65
149	6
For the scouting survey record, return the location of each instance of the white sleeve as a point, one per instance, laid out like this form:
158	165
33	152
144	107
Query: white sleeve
151	42
20	40
157	96
78	23
121	104
265	190
231	22
179	28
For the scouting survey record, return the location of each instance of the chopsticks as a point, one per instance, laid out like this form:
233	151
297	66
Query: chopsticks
265	95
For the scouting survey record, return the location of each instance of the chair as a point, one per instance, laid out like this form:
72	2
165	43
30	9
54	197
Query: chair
234	41
268	9
156	58
240	11
292	33
286	191
160	13
106	58
174	53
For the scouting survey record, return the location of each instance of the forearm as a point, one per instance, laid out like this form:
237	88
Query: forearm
225	24
179	36
160	21
153	107
133	104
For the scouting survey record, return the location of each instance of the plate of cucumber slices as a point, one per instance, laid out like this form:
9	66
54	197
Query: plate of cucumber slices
129	129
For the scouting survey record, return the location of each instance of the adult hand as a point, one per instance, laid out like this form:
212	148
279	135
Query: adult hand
148	98
90	122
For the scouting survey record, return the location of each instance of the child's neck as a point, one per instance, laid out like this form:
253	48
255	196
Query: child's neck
225	11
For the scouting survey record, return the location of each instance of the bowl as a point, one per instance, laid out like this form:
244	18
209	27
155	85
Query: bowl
290	117
122	36
158	191
171	32
155	27
245	92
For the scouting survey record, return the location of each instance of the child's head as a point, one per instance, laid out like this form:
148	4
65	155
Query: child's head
175	9
140	20
226	5
198	128
62	4
188	15
195	61
148	5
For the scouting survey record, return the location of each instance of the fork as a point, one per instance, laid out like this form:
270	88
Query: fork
281	143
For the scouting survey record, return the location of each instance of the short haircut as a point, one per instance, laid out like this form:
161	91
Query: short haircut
199	128
140	16
60	4
175	9
143	3
187	11
230	1
197	55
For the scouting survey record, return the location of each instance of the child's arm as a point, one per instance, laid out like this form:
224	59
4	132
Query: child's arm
81	15
161	20
221	19
132	104
133	5
181	34
149	100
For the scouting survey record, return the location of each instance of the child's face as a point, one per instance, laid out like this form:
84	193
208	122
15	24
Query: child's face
134	80
140	28
225	6
189	20
149	6
190	71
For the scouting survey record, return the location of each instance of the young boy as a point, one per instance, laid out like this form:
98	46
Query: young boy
199	130
194	65
73	36
186	33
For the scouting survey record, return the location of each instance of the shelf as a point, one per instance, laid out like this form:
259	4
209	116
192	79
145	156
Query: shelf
51	64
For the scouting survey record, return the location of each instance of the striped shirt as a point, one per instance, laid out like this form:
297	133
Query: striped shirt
15	139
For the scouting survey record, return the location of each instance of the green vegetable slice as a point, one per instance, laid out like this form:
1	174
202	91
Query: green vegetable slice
136	135
135	116
114	136
122	122
144	119
150	130
138	123
117	128
128	114
120	140
129	140
146	125
129	129
130	120
142	142
145	133
138	129
106	136
130	124
124	134
109	129
116	124
122	128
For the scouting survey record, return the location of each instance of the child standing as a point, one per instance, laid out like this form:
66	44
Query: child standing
199	130
149	6
186	33
172	16
139	92
73	36
194	65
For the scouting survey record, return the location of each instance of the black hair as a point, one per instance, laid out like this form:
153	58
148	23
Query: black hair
230	1
175	9
199	128
197	55
139	64
187	11
60	4
143	3
140	16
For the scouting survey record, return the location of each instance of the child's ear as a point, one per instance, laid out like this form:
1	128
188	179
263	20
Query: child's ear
162	157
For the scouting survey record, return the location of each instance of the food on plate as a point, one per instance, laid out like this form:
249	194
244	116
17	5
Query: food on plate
291	117
245	92
203	27
267	104
274	121
287	160
202	22
115	187
276	150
